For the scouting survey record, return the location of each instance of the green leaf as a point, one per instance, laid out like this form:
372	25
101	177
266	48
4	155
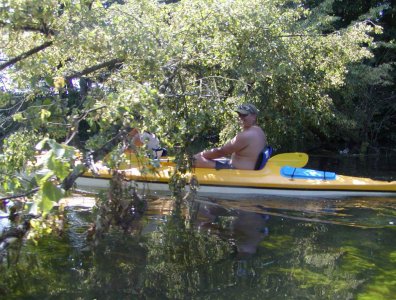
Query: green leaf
60	168
44	114
61	150
49	80
18	117
40	145
50	194
43	175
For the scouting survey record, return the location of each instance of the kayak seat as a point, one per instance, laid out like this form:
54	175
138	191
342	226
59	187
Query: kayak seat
263	157
302	173
159	152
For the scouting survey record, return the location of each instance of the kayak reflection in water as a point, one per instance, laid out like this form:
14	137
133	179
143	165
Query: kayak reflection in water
244	149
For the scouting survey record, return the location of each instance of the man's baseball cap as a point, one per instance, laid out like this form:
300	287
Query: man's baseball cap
247	109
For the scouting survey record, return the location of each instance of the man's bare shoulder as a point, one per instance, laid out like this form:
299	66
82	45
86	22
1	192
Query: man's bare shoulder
243	135
252	131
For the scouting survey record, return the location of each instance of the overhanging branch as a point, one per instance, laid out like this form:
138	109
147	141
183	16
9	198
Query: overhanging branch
25	55
40	29
94	156
110	63
87	163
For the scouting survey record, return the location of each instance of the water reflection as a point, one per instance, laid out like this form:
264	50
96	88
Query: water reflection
247	249
247	229
345	211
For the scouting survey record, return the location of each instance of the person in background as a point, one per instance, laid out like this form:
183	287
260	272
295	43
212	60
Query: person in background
244	149
147	139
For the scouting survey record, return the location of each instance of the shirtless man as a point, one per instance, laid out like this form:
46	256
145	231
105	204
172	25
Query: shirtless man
244	148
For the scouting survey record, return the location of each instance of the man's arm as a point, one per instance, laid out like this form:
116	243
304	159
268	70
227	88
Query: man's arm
236	144
214	153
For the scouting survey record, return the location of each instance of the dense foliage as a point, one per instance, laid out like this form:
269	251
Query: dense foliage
76	73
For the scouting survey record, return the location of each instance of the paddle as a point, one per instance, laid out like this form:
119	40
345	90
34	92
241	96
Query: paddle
292	159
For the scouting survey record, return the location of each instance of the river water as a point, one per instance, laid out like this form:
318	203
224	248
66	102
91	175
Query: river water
252	248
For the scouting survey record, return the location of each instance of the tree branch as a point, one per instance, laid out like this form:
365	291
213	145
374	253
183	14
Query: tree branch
16	197
87	163
94	156
43	29
25	55
110	63
74	127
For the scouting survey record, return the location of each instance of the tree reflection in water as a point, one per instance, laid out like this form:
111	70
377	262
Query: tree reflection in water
215	251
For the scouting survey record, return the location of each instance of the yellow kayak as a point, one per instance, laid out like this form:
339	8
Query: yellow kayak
283	175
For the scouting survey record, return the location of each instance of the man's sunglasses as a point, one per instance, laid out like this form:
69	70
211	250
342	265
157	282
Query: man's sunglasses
242	115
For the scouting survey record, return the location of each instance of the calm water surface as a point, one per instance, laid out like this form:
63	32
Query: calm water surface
263	248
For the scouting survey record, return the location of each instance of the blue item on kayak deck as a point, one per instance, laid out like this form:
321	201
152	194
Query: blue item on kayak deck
301	173
263	157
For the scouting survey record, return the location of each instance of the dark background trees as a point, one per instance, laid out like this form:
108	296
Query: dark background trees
368	98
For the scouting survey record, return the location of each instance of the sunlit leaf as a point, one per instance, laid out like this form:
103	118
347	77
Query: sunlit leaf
50	194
